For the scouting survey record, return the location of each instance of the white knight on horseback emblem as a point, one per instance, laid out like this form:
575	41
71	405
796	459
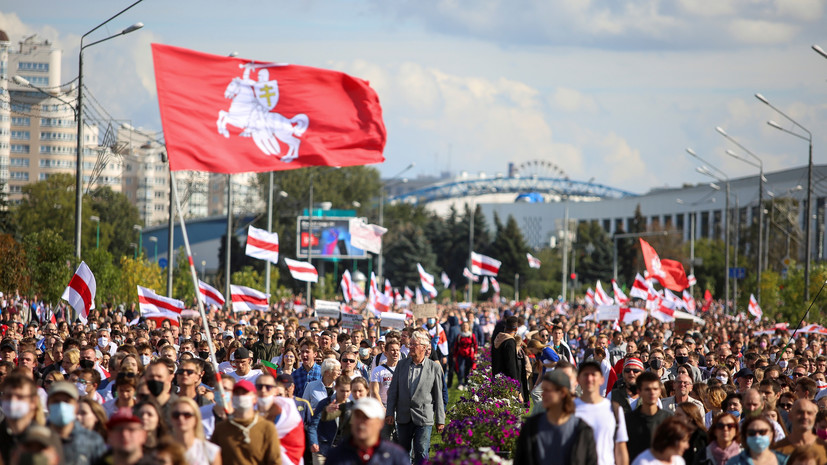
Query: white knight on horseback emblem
251	110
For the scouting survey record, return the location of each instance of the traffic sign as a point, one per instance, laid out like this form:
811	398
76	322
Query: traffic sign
738	273
162	262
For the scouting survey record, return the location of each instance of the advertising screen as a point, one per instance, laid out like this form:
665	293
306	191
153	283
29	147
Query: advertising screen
330	238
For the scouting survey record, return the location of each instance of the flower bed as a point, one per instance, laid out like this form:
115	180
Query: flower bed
484	423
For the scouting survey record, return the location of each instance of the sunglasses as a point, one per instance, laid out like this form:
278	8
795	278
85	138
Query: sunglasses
758	432
798	375
348	360
177	415
726	425
264	387
786	406
629	370
184	371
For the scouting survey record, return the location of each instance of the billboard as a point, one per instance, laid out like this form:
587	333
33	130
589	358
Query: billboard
330	238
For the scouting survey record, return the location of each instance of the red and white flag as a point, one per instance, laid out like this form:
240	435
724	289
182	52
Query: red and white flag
81	291
446	281
409	294
664	311
482	265
639	289
438	333
366	236
533	262
419	299
484	286
232	115
262	245
467	273
495	285
653	298
427	281
350	290
290	429
691	280
383	303
159	308
302	271
678	302
754	308
388	288
246	299
590	297
397	297
600	296
669	273
691	306
629	315
620	297
210	295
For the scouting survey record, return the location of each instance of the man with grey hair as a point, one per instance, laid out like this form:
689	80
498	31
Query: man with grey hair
321	389
415	401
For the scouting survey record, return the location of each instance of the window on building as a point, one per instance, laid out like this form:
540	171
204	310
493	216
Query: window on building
19	148
20	135
20	162
21	121
32	66
19	175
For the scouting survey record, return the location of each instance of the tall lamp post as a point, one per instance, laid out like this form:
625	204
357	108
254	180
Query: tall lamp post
760	166
97	220
692	228
380	262
140	229
154	240
724	179
808	227
79	113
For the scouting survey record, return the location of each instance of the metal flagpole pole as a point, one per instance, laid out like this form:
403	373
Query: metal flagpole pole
269	228
200	300
227	245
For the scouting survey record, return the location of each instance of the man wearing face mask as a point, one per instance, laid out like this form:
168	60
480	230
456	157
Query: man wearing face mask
104	344
158	377
19	404
80	446
215	413
247	438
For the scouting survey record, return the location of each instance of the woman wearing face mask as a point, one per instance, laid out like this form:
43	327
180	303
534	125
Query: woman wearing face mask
732	404
724	441
757	434
149	412
187	431
722	374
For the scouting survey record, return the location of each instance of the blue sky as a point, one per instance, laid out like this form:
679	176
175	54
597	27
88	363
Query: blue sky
604	89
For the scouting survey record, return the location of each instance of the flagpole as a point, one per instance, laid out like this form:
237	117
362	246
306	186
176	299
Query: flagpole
309	237
197	288
470	251
227	245
269	229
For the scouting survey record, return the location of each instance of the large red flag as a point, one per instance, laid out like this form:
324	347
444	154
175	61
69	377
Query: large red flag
669	273
231	115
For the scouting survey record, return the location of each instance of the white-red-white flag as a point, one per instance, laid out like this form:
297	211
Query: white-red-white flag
483	265
691	280
80	293
302	271
754	308
388	288
446	281
383	303
620	297
350	290
639	288
484	286
495	285
590	297
690	302
629	315
366	236
409	294
157	307
600	296
262	245
668	295
290	430
533	262
419	299
664	311
427	280
467	273
653	297
210	295
397	297
245	299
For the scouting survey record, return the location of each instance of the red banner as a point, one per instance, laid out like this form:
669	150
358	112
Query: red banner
231	115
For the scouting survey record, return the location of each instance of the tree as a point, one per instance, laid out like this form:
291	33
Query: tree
107	274
597	252
14	272
49	258
6	217
139	272
628	249
510	248
50	204
118	216
404	248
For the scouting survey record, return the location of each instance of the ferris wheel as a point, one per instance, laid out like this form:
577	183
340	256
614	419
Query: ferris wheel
540	169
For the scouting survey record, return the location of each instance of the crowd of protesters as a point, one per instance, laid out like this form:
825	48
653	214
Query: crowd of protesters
297	389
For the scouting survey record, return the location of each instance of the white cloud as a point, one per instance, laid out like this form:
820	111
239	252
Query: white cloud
621	164
756	32
572	100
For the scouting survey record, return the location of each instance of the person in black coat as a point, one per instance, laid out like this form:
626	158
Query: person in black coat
556	436
507	356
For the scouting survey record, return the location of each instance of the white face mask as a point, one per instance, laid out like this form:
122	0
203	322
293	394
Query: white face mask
16	409
145	359
226	400
243	403
264	403
103	342
723	379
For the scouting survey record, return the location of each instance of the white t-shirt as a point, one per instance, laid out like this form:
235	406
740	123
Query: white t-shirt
646	458
600	417
202	452
252	376
383	376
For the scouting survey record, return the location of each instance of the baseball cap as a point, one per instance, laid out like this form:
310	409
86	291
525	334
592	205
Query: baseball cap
284	379
123	415
7	344
64	387
241	353
558	378
41	436
371	407
244	385
744	373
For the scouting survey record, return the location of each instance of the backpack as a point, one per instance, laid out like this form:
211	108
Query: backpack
465	347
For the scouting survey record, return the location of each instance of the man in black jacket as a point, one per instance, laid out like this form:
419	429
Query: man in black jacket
644	419
556	436
504	354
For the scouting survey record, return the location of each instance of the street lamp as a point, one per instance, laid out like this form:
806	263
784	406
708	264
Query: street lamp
140	229
283	195
692	220
133	245
820	51
154	240
21	81
760	167
97	220
380	262
807	230
724	179
79	117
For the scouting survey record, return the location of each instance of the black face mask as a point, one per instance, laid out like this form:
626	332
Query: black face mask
204	354
656	364
87	364
681	360
155	387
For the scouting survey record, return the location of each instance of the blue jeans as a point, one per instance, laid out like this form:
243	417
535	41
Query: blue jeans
464	365
417	438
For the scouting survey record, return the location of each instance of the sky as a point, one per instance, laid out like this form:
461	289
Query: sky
604	89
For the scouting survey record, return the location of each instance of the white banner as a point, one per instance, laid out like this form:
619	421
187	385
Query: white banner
327	308
351	321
